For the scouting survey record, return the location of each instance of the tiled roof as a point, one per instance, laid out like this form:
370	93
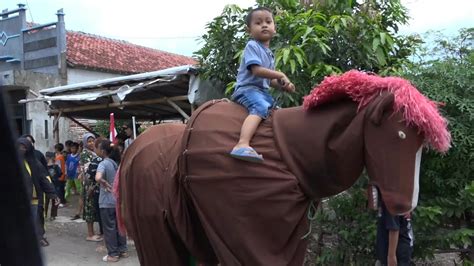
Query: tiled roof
94	52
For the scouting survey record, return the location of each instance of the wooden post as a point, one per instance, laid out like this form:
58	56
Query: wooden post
56	127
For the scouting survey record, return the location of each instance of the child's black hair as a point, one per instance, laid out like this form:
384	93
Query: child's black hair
248	18
49	155
75	144
59	147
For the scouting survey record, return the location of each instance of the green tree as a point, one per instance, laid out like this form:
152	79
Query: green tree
345	229
102	127
313	40
444	218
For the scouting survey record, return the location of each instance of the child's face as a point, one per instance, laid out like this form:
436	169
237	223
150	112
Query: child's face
262	26
90	143
73	149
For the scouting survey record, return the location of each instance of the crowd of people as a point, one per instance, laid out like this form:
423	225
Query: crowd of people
87	168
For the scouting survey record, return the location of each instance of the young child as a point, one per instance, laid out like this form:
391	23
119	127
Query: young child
72	166
256	75
61	162
54	173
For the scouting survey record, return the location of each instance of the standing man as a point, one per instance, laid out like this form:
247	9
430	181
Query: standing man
128	129
40	207
394	238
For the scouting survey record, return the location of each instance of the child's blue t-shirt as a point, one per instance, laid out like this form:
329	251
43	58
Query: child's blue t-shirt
72	163
255	53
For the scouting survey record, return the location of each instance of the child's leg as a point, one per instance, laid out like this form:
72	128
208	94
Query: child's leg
247	131
74	186
62	186
54	209
258	103
68	189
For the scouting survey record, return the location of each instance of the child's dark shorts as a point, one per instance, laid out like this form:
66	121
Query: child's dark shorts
257	101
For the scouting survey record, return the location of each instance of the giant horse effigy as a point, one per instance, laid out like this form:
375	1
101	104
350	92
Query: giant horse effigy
182	195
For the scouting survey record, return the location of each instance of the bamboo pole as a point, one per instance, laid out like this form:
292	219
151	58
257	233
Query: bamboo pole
83	126
175	106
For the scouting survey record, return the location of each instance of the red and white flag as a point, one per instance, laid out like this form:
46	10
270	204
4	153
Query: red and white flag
113	132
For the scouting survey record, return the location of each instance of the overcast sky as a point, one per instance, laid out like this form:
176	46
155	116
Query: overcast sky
174	26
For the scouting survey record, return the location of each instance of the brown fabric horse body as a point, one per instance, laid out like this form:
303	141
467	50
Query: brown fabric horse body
184	195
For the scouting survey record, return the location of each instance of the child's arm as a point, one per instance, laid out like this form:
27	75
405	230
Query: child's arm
59	173
392	247
264	72
277	78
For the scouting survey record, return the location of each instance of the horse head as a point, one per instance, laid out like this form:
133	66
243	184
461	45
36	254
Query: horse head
392	154
398	120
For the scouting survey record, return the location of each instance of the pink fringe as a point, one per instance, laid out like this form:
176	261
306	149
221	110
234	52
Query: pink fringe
118	207
361	87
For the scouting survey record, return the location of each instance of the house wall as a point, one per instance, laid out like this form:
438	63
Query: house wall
81	75
40	123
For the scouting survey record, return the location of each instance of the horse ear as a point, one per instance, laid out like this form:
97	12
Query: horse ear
381	105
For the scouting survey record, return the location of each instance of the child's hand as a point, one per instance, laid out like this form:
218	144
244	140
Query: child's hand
106	186
284	81
290	87
287	85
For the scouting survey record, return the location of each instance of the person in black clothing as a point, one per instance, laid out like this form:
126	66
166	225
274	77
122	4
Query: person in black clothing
54	173
394	238
38	154
37	183
40	157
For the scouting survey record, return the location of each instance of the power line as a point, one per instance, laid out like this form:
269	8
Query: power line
29	10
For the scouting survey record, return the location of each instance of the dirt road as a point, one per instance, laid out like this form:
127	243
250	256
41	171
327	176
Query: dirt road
68	245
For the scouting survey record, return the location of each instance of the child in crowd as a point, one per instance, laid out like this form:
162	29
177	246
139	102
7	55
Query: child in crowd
61	162
255	76
72	166
67	148
54	173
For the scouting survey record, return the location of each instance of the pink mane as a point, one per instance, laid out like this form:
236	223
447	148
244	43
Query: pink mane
361	87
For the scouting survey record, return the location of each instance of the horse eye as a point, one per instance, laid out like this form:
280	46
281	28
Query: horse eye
402	134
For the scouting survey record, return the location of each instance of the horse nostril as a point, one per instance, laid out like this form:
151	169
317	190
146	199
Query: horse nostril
402	134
